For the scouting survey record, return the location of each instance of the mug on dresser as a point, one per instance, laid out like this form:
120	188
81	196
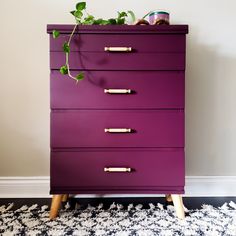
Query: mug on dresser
159	18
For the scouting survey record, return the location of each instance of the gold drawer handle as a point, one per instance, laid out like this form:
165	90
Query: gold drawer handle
117	169
117	91
118	49
117	130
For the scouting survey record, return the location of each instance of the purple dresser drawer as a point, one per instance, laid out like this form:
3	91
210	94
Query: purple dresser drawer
119	61
149	90
152	48
138	42
151	170
86	128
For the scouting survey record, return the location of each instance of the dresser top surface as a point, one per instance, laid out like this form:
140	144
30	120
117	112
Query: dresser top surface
121	29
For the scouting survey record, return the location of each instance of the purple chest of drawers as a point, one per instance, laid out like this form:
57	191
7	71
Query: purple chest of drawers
121	129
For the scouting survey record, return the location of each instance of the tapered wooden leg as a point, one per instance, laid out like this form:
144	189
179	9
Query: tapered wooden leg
169	198
56	203
178	204
65	197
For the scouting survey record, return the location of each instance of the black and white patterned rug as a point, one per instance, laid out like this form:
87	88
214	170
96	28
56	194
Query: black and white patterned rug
120	221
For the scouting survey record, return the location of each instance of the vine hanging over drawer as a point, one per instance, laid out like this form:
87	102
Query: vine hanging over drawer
82	17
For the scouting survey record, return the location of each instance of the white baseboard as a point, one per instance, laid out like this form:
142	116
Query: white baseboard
24	187
196	186
210	186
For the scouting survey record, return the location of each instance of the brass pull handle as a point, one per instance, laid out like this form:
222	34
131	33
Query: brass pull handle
117	91
117	130
117	169
117	49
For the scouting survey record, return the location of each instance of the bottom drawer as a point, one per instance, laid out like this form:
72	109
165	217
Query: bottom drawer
149	170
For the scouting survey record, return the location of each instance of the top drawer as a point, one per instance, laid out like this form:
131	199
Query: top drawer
150	47
148	38
138	42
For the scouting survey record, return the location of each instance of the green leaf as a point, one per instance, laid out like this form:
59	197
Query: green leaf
112	21
104	22
122	14
73	12
88	20
98	21
66	47
64	70
89	17
80	76
120	21
81	6
132	15
78	14
78	20
55	34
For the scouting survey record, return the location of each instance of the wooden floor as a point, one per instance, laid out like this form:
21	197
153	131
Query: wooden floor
189	202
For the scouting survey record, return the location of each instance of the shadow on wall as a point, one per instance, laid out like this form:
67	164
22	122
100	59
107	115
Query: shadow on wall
210	111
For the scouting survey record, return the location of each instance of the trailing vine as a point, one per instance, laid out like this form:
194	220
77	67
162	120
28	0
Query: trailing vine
82	17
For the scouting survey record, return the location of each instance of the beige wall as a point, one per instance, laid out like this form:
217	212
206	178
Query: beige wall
210	81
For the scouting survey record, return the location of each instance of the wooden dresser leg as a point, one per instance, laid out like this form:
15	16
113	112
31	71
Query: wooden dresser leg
179	207
56	203
65	197
169	198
